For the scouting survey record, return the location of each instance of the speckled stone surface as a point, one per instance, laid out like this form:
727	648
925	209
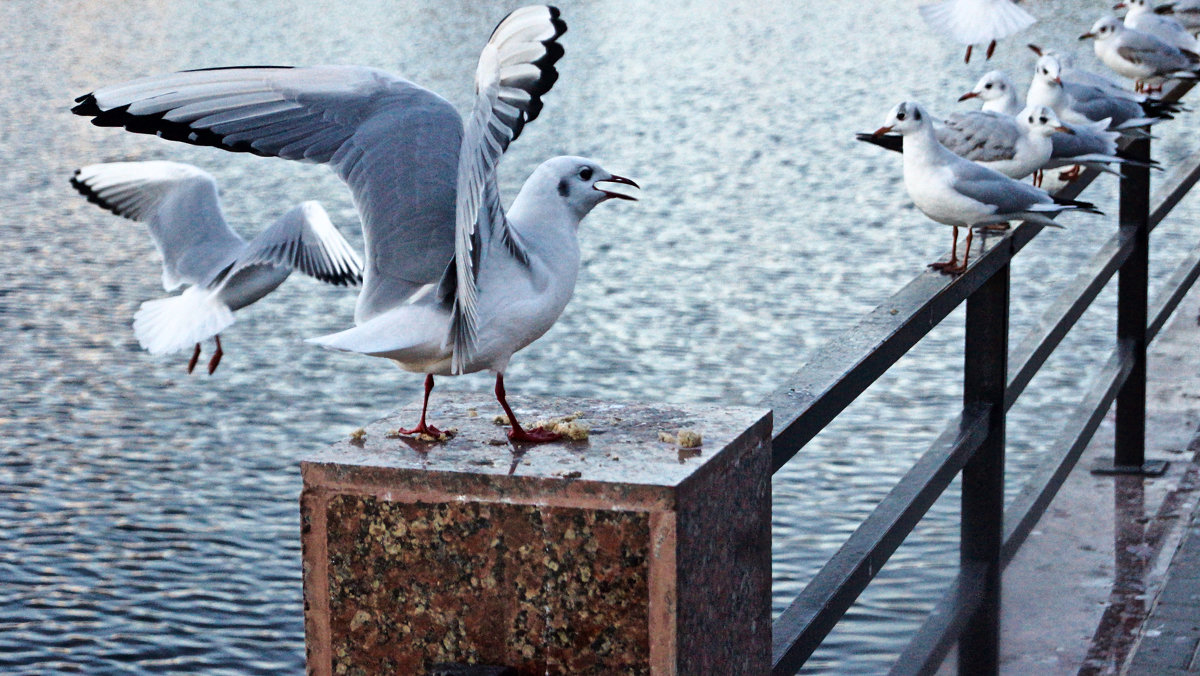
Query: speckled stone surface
619	554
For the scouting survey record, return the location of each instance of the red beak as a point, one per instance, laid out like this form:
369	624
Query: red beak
968	95
881	131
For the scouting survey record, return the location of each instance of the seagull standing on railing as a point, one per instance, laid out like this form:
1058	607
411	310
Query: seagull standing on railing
998	93
1140	56
1140	16
1091	104
179	205
452	284
961	193
976	22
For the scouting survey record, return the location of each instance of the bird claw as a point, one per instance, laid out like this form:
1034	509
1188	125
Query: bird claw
536	435
949	267
421	428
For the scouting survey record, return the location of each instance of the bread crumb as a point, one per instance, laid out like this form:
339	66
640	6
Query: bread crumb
358	436
446	435
568	426
472	413
501	420
667	438
689	439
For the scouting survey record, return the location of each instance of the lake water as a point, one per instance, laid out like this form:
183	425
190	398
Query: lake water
149	519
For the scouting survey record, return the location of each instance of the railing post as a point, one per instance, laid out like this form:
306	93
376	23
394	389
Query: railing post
985	376
1132	301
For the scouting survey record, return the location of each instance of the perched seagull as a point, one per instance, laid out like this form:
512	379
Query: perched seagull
1014	146
998	93
452	284
1090	144
961	193
1141	16
1140	56
1186	12
179	204
1089	104
976	22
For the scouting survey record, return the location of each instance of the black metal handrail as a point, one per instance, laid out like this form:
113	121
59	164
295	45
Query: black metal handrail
973	445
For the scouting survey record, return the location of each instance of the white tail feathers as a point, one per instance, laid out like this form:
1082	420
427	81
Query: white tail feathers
172	324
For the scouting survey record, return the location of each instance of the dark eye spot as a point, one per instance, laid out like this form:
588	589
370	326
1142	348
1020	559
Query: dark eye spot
900	116
987	86
585	173
564	187
917	115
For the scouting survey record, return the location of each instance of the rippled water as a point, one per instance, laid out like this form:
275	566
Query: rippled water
149	518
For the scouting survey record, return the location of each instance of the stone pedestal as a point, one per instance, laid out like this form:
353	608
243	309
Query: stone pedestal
621	554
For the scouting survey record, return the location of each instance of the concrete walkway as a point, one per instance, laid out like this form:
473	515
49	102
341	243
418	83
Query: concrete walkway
1099	587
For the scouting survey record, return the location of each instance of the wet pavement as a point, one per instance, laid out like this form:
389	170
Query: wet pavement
1104	576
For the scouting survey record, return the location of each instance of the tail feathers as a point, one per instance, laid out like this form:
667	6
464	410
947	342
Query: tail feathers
968	25
172	324
1078	204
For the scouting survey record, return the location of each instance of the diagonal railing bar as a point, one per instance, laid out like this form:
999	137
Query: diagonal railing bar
845	367
1178	284
933	641
1028	506
801	627
938	633
1064	312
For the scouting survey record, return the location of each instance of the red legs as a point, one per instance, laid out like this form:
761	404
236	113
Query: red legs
1037	178
536	435
194	359
953	267
216	358
423	427
991	49
943	267
1071	174
968	59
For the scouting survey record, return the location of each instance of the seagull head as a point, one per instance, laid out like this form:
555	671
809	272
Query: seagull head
905	118
991	87
1043	121
1048	70
1104	29
580	183
1135	7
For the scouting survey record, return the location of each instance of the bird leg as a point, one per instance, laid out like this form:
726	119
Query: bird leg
943	267
194	359
216	358
968	59
1071	174
536	435
991	49
1037	178
423	427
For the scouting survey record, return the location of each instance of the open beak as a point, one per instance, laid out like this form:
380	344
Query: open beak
968	95
881	131
616	179
1087	36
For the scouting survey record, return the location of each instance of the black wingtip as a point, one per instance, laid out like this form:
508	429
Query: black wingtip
91	195
1079	204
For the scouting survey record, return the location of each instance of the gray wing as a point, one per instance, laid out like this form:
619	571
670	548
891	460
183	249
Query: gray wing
1099	106
991	187
980	136
179	205
516	67
1088	139
1143	49
305	239
395	144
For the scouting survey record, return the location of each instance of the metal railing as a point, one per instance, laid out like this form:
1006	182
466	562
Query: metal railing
974	444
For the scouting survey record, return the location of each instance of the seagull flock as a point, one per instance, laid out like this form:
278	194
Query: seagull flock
965	169
451	283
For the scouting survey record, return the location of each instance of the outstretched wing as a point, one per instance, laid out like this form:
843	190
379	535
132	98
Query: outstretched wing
305	239
395	144
516	68
179	205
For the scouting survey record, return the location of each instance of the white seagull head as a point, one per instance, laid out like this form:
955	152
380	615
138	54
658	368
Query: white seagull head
1042	120
993	86
575	182
907	117
1105	28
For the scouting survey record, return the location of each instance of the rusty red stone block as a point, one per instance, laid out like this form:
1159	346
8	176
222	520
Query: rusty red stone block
621	554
